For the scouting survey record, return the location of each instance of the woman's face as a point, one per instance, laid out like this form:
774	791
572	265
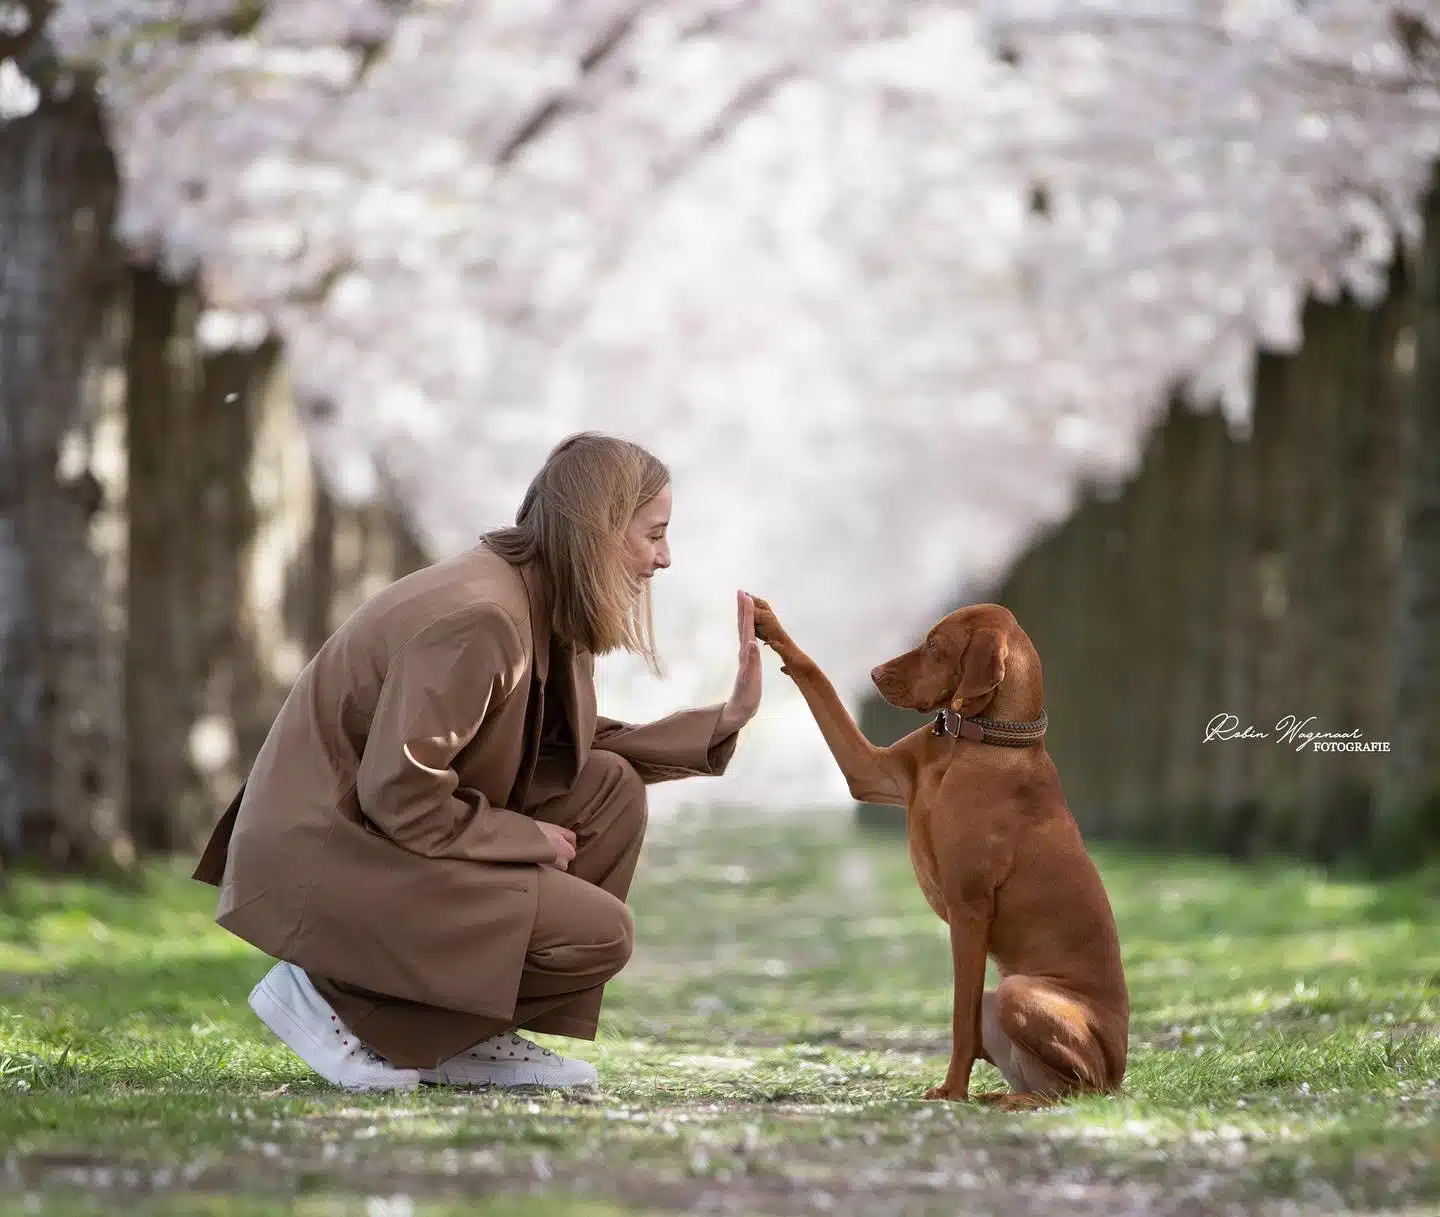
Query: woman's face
646	540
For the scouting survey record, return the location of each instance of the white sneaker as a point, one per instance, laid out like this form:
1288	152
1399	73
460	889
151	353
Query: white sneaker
509	1060
290	1005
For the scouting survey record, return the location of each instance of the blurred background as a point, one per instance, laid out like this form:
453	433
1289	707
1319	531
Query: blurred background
1127	317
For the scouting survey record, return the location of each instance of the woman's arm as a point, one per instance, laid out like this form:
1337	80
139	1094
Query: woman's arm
679	745
439	688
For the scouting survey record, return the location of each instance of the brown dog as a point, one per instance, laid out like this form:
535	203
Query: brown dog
996	851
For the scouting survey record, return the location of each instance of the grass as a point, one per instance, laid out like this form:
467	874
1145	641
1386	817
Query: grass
763	1053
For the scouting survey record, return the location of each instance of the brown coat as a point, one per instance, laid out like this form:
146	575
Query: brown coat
380	838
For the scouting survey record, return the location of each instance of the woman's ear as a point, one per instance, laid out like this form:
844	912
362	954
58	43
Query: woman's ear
982	667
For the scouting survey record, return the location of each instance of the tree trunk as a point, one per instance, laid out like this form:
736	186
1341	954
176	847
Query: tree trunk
1087	686
1104	665
1197	545
61	726
1232	764
1323	376
1057	614
1274	616
1135	656
1359	572
160	605
1164	614
1407	825
233	388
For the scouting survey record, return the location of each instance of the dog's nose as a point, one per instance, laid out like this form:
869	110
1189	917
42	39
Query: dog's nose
875	674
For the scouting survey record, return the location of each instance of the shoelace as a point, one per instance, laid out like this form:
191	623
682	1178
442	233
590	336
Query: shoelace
523	1044
362	1050
371	1056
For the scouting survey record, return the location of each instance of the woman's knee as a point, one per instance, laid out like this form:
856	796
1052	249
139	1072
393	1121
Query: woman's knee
577	920
609	938
614	924
624	933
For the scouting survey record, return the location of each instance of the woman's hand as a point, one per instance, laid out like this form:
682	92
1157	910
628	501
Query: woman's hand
745	697
564	842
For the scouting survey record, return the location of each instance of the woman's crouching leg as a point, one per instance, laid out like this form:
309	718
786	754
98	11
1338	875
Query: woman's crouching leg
581	938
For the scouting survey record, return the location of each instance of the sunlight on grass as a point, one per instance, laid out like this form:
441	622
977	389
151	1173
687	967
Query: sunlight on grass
788	1004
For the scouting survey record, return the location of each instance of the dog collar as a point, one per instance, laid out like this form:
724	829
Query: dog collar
984	730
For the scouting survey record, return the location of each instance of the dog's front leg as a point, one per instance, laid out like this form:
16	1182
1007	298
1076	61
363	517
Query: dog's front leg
870	778
862	763
968	932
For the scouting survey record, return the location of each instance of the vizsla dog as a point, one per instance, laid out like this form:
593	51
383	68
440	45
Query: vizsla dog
996	852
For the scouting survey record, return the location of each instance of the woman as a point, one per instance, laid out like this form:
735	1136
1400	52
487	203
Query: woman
438	835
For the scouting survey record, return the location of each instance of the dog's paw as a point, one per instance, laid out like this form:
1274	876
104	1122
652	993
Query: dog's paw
945	1094
767	625
793	661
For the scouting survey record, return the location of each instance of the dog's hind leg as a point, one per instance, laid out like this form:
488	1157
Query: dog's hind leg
1041	1040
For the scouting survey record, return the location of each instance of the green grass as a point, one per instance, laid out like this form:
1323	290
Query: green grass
765	1050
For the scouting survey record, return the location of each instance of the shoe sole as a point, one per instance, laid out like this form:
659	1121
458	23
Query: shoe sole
270	1011
514	1075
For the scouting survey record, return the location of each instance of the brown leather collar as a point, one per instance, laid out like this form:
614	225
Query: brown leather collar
983	730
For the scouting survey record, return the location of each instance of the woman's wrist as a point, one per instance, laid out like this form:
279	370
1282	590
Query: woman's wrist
727	724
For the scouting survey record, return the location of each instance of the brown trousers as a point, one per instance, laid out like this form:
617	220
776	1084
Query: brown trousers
583	934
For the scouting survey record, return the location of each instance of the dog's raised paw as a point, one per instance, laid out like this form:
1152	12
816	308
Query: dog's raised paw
767	624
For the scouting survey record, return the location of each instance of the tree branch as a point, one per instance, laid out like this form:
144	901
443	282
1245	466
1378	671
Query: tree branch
535	124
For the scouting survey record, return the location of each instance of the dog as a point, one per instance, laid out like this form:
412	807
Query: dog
996	852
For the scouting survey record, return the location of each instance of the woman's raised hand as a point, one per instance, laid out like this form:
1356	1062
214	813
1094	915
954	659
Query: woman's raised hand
744	699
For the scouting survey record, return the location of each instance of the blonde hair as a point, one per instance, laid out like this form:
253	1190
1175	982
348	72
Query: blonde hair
572	524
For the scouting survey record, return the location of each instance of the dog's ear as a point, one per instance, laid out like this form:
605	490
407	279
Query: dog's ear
982	667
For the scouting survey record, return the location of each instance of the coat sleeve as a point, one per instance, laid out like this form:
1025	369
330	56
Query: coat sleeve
436	694
676	746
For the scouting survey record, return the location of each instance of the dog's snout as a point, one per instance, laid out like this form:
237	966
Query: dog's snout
877	672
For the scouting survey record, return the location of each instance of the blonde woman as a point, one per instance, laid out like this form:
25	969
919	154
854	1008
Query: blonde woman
438	835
